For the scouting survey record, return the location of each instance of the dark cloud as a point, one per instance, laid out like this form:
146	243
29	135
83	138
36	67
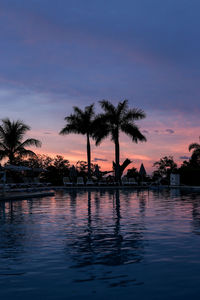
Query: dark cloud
170	131
150	51
47	132
99	159
184	157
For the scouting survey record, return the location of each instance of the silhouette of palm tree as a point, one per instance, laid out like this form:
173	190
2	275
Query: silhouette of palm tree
195	147
196	151
116	119
11	140
82	122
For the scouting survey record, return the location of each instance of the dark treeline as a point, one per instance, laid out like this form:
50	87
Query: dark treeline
109	123
112	121
189	170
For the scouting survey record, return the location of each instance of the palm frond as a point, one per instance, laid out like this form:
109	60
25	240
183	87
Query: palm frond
122	107
194	146
100	135
133	131
107	106
31	142
124	165
2	146
22	152
80	121
11	138
78	111
133	115
100	129
72	128
89	110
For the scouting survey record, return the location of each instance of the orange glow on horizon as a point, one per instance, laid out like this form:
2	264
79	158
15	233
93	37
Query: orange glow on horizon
160	142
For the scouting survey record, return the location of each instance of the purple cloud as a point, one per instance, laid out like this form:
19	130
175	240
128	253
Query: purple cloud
99	159
170	131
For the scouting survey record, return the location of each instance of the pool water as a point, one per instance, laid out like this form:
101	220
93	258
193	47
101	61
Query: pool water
101	245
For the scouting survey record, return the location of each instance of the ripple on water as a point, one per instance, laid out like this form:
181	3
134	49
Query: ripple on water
101	244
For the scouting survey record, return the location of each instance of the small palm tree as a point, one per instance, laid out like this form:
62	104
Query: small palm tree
82	122
195	147
12	145
196	152
116	119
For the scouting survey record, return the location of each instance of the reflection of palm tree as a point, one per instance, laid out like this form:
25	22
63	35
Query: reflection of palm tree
196	214
13	237
118	236
73	204
82	122
116	119
142	203
96	243
11	140
89	221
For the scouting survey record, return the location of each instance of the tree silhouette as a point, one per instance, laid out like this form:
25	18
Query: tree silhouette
12	145
164	167
195	158
82	122
116	119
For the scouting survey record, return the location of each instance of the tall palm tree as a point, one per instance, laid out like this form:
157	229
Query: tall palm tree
11	140
116	119
82	122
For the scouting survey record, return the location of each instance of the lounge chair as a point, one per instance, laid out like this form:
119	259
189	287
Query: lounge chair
125	180
37	182
89	182
80	181
144	183
25	184
132	181
66	181
101	182
156	182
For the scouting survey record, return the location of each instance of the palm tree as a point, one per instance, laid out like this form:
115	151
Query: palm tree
195	147
11	140
196	152
116	119
82	122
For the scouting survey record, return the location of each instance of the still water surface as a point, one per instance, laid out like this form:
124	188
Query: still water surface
101	245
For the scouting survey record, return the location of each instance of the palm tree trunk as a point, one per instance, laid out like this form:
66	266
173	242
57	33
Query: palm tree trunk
88	156
117	159
11	158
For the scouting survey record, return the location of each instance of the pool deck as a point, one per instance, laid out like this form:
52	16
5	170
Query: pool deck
125	187
28	193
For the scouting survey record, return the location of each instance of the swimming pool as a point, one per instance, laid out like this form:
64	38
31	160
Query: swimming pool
100	244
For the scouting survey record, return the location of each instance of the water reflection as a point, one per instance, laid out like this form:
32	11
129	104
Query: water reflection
87	241
111	240
12	236
195	213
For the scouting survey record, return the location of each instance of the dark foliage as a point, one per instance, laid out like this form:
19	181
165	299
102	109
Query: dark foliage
115	120
12	145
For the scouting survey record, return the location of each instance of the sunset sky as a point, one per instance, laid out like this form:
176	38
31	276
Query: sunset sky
57	54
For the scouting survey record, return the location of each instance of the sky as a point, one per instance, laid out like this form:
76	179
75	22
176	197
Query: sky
58	54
